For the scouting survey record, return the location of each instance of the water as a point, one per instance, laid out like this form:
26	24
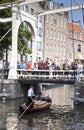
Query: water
62	115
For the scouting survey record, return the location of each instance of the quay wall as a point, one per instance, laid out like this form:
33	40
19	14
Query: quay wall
13	89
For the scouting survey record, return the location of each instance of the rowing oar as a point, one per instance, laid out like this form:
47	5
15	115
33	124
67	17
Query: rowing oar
23	113
25	110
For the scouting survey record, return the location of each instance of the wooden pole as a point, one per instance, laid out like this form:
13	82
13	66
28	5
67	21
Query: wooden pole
25	110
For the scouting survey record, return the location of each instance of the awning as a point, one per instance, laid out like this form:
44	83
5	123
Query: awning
79	57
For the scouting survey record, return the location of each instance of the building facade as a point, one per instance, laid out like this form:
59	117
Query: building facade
75	45
51	33
55	36
54	40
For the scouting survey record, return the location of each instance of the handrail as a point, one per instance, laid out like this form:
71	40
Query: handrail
39	74
25	73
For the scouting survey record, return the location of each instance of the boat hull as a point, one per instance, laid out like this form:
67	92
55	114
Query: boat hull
39	105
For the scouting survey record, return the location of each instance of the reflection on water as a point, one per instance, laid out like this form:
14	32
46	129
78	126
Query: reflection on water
61	116
61	95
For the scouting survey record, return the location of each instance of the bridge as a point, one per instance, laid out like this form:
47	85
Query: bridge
44	75
18	87
17	18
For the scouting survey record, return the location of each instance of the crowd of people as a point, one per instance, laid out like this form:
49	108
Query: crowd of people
47	66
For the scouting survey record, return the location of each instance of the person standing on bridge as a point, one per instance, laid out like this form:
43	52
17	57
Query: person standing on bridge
31	96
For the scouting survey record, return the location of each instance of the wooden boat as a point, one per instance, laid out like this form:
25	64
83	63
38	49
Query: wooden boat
39	105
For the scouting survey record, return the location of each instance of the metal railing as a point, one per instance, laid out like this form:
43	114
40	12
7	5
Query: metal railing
41	74
58	74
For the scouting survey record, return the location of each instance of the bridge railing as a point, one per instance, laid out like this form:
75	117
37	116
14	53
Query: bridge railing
58	74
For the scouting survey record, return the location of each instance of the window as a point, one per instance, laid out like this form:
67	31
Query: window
37	59
39	46
55	20
51	19
57	50
58	21
65	38
25	24
51	34
40	32
54	47
79	48
22	7
75	34
32	11
61	36
58	35
80	36
40	19
26	8
47	18
62	22
64	51
65	23
30	44
46	47
30	58
54	34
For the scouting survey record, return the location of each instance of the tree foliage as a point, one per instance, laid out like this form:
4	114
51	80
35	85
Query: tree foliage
5	41
6	1
24	35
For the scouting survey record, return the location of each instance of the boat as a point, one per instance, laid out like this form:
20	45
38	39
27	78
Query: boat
78	93
77	99
39	105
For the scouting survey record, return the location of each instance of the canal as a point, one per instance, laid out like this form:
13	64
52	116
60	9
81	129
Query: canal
62	115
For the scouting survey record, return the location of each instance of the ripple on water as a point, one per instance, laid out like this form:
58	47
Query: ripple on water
61	115
56	118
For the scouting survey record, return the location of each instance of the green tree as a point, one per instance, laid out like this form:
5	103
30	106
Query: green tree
5	41
6	1
24	35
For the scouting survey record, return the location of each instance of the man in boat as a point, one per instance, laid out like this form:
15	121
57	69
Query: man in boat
31	96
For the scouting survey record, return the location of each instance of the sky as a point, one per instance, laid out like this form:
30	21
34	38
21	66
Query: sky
75	15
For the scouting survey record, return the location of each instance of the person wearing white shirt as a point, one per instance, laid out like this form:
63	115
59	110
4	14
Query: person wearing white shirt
31	91
31	96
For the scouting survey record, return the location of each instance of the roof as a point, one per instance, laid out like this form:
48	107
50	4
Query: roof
77	29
